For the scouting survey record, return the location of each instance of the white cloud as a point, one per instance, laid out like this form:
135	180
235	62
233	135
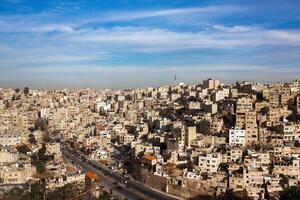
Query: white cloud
20	26
288	36
47	21
237	28
136	15
48	58
156	39
51	28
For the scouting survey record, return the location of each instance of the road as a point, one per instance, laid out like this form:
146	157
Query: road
130	190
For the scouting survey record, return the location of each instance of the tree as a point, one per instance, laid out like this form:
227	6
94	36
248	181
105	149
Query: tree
291	193
23	149
230	195
41	124
17	90
284	181
68	191
40	167
26	90
104	196
39	160
259	96
32	139
30	191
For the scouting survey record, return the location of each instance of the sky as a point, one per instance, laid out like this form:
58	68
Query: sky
140	43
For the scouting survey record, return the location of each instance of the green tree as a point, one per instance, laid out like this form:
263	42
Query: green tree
291	193
40	166
17	90
39	160
68	191
26	90
32	139
23	149
31	191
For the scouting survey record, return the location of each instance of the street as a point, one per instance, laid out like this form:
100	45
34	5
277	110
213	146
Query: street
116	182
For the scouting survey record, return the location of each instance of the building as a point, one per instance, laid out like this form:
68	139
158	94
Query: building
237	137
244	104
298	104
8	138
209	163
151	160
8	157
210	107
17	174
189	135
211	84
126	139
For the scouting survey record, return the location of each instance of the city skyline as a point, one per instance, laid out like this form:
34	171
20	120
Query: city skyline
128	44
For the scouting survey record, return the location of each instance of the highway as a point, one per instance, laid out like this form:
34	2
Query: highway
117	183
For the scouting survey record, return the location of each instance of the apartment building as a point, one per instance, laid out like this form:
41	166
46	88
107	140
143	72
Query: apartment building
209	162
237	137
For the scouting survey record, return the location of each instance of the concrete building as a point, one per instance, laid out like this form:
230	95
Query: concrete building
244	104
8	138
298	104
237	137
209	162
211	84
189	134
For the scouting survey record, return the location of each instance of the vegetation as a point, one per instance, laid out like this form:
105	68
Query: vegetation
17	90
23	149
32	139
291	193
293	117
39	160
66	192
105	196
41	124
229	195
40	167
37	191
33	191
26	90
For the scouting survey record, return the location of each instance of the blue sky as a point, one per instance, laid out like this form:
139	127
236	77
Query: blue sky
136	43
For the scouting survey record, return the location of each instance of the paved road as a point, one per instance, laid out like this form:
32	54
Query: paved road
131	190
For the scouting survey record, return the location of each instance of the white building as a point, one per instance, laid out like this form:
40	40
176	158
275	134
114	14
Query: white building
220	94
10	139
210	162
237	137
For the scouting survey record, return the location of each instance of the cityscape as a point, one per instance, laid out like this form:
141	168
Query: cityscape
182	141
149	100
